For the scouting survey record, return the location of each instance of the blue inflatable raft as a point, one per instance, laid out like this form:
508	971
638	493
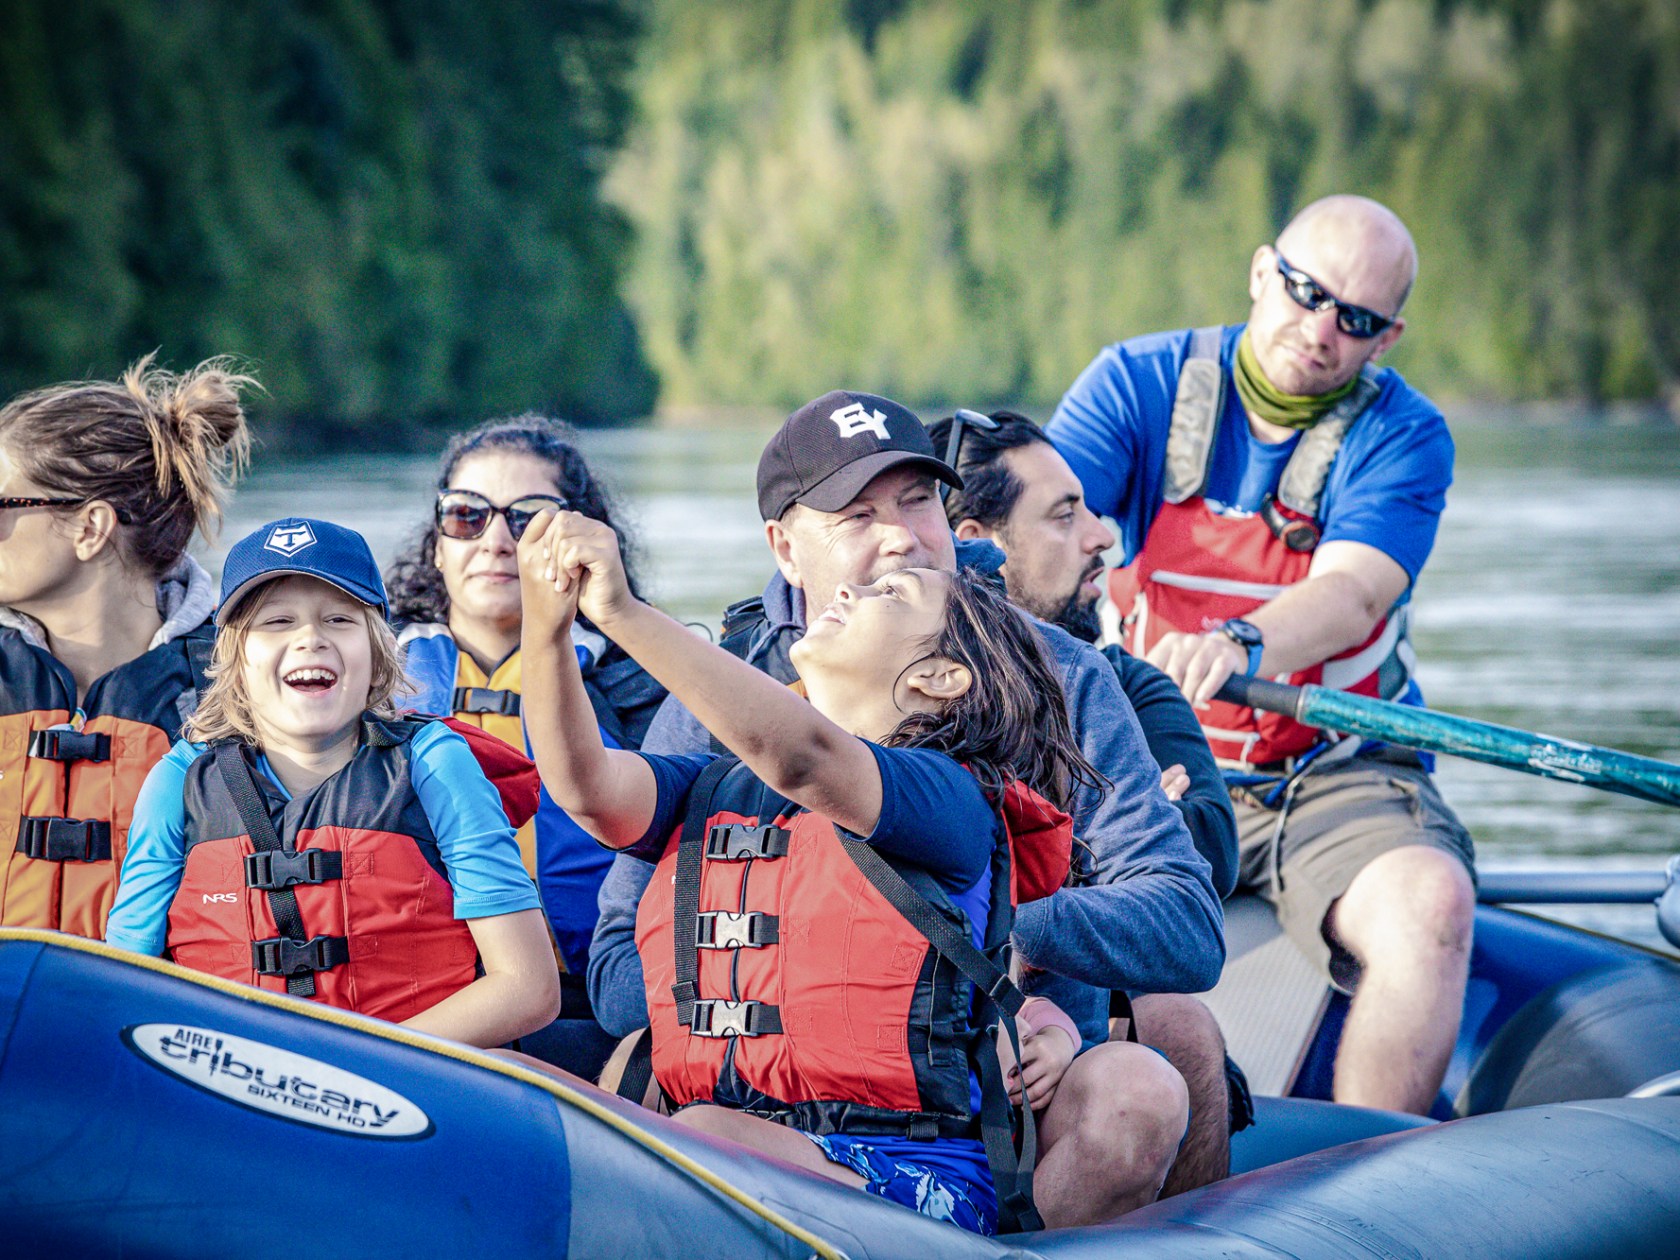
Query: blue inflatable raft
149	1111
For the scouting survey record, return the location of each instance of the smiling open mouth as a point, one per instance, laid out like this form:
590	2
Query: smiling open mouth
312	679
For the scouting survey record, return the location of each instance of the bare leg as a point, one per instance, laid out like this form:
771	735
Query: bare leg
1109	1135
766	1137
1184	1030
1407	919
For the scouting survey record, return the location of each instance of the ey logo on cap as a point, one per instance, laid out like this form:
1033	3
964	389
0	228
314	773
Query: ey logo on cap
854	420
288	540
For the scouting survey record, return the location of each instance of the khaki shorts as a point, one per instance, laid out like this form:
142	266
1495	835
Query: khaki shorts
1341	819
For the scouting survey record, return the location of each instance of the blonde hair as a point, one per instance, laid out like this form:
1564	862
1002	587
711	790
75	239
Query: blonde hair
225	711
160	448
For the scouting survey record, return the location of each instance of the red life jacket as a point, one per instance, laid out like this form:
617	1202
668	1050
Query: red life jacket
378	933
67	790
1199	567
844	1016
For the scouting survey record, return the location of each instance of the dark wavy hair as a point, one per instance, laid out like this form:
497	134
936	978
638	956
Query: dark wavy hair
990	491
414	583
1012	723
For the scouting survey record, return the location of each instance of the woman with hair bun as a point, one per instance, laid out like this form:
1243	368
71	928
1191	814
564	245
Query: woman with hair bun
455	599
104	618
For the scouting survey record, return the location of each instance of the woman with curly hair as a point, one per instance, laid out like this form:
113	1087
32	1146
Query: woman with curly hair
455	601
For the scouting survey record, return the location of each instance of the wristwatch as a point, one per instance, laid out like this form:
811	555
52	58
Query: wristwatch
1246	635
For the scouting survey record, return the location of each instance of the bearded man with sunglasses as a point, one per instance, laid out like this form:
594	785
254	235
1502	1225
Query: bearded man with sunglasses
1277	496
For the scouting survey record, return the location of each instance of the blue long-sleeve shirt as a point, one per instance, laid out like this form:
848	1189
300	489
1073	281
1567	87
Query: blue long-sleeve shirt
1143	916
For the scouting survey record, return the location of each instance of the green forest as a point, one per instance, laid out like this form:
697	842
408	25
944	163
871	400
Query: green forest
410	213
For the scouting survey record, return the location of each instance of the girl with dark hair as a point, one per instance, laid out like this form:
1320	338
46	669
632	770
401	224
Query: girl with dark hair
810	887
455	598
103	616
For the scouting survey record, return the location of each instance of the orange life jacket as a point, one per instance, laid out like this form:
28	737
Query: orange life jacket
782	978
370	923
69	776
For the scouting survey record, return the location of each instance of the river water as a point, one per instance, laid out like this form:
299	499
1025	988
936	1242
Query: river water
1551	603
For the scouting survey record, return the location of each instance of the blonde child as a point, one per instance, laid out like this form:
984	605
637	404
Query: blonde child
310	840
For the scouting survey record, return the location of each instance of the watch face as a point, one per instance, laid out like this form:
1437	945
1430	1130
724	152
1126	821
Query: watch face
1244	633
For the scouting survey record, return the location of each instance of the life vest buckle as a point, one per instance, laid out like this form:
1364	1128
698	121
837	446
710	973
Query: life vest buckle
276	869
60	743
65	839
282	956
731	842
716	1017
486	700
724	929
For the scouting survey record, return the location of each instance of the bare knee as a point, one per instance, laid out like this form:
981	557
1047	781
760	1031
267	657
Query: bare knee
1129	1097
1409	902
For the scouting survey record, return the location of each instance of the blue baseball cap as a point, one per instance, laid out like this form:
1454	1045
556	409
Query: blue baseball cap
311	548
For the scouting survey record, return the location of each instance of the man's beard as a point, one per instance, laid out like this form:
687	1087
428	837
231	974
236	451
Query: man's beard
1079	617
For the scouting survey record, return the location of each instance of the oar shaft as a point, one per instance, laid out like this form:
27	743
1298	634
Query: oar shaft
1405	724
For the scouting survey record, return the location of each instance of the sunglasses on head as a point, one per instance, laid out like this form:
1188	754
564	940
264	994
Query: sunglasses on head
464	514
1355	321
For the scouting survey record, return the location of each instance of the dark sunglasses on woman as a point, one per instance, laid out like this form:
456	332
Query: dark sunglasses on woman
464	514
1355	321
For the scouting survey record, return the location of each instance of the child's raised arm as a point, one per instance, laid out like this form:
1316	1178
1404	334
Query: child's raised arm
609	793
793	748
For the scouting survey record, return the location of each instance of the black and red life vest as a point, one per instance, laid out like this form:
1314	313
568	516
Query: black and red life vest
1198	567
68	785
783	980
356	880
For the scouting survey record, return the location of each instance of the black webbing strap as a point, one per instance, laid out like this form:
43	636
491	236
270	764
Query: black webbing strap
686	907
1120	1007
1012	1170
201	649
633	1082
282	902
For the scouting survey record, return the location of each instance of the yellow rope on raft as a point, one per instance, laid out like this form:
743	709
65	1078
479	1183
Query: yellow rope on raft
448	1049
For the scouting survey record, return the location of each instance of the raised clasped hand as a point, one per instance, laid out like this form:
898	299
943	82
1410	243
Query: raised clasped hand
570	563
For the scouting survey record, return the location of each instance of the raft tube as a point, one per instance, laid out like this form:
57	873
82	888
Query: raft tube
150	1111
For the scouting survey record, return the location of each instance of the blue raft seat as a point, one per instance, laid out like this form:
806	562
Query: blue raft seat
1286	1127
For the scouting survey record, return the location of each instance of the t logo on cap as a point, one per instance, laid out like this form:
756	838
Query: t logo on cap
856	419
288	540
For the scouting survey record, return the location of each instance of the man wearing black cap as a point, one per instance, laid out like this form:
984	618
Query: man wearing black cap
848	490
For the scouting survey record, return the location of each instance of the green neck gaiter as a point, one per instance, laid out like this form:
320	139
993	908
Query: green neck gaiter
1264	401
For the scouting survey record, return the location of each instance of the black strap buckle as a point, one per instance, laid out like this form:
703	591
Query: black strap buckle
60	743
282	956
65	839
715	1017
731	842
723	929
280	869
486	700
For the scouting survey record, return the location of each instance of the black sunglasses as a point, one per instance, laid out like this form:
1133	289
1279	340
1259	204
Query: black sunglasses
964	419
464	514
27	502
1355	321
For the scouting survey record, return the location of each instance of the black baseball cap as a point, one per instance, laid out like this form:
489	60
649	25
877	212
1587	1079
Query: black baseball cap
298	544
831	448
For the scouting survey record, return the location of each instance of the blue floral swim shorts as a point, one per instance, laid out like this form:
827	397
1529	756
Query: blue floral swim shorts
934	1188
